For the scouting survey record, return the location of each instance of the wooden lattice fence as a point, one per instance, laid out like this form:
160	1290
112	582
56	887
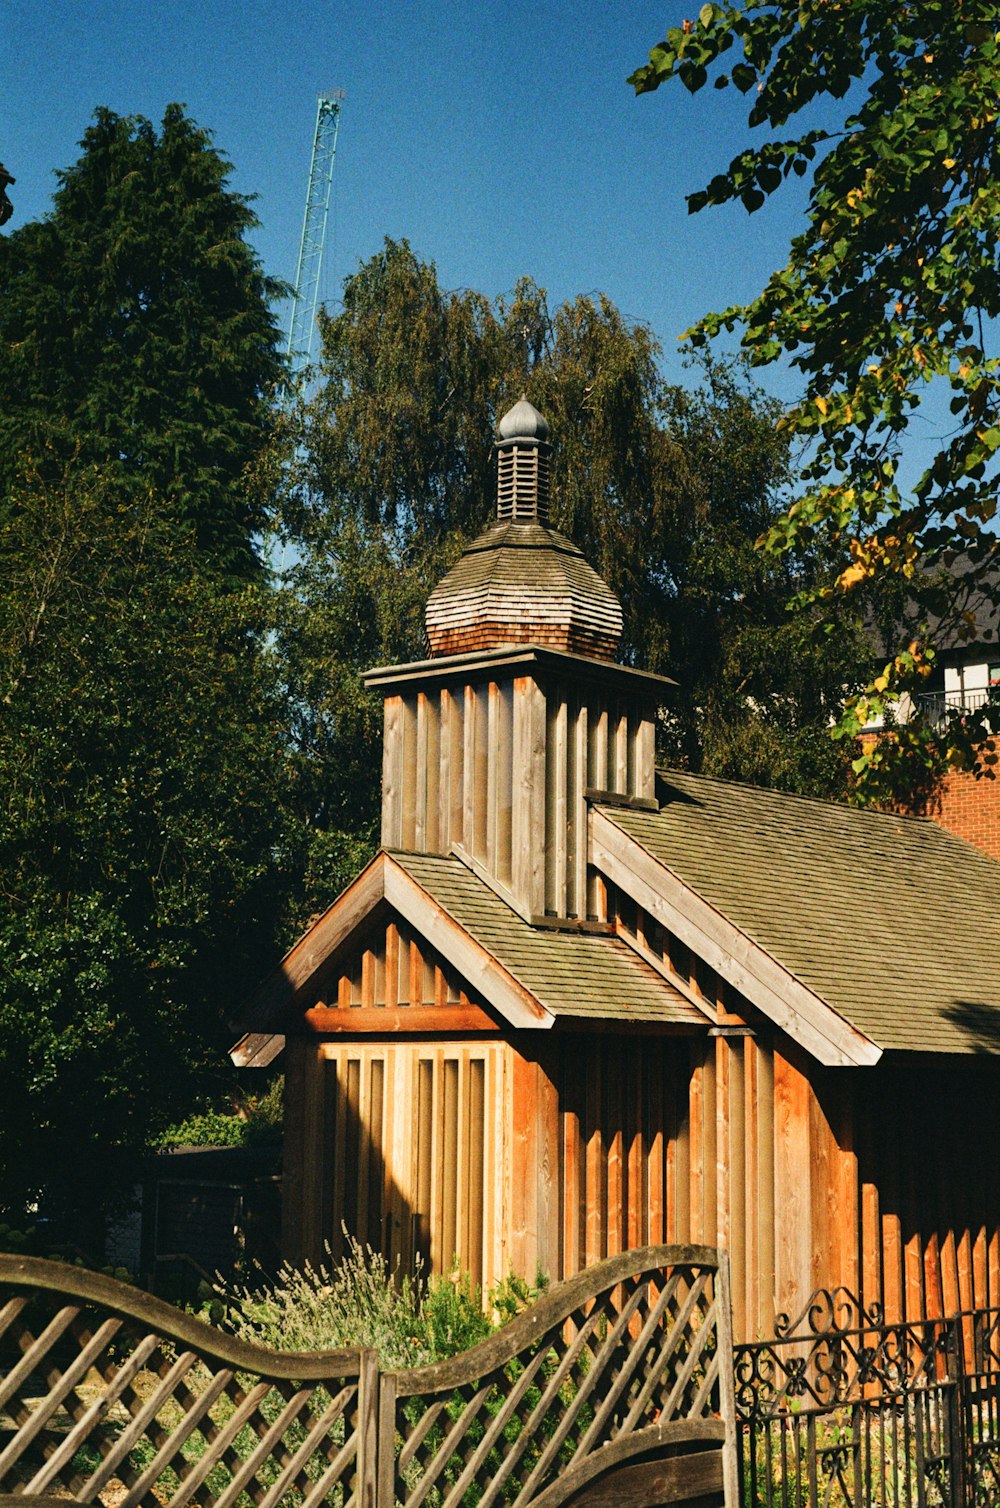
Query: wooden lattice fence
615	1388
101	1384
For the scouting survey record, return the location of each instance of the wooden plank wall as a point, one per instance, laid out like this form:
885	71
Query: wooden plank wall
659	1141
392	966
763	1167
562	1148
929	1189
495	765
400	1143
566	1152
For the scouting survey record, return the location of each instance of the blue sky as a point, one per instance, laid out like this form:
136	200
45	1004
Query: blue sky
500	140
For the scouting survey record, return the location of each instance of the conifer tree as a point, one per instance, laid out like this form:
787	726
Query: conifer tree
143	813
136	331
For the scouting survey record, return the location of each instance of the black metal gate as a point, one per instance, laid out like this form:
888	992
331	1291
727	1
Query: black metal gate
841	1410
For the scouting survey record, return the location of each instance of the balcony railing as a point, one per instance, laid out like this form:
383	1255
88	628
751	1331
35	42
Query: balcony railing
936	706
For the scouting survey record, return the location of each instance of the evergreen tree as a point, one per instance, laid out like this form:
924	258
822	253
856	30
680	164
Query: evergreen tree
136	331
142	828
143	744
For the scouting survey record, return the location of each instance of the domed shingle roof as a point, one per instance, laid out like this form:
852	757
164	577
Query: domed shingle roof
521	582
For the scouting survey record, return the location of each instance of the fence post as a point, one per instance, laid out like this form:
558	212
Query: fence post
385	1496
367	1462
727	1382
955	1361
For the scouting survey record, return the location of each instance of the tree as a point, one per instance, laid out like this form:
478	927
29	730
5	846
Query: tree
136	331
142	834
887	297
664	489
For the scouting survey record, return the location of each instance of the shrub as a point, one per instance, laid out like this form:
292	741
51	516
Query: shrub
257	1122
362	1302
319	1308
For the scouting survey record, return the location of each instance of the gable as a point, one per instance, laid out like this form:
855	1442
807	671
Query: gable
330	950
424	933
390	978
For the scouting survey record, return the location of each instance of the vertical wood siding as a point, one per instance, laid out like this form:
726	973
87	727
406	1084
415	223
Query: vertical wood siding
393	967
928	1174
559	1149
403	1147
449	762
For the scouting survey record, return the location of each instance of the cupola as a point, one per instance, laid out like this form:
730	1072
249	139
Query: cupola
521	582
497	744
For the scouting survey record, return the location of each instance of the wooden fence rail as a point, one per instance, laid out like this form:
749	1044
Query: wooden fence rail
614	1388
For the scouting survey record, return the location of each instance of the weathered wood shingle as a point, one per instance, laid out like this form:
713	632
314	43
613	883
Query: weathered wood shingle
569	973
889	919
523	583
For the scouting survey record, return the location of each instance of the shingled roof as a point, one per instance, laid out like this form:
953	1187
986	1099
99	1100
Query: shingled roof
569	973
523	583
890	920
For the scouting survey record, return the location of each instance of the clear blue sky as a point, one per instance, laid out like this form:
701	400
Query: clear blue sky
499	139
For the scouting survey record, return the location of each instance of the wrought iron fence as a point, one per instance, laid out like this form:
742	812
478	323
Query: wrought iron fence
843	1410
936	706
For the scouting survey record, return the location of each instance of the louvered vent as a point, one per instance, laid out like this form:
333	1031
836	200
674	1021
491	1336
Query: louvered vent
523	483
521	582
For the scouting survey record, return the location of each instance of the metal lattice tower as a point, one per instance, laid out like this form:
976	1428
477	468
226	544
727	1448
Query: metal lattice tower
302	323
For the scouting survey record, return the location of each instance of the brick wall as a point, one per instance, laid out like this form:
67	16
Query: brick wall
970	808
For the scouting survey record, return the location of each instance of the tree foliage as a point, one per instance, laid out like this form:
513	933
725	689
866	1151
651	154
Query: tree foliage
136	331
141	771
143	756
664	489
889	294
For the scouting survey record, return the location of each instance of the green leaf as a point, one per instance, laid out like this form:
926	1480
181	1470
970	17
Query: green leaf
693	77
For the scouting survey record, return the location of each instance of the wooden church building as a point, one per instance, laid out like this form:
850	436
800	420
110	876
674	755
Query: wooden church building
576	1004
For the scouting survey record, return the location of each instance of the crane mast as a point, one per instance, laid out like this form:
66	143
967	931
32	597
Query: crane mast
305	296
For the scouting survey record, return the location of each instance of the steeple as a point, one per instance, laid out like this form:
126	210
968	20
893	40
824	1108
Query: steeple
521	582
496	744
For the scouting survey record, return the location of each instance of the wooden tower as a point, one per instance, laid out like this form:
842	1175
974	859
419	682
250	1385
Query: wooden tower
495	743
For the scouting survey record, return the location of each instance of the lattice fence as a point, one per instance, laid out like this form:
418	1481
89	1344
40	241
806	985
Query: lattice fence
629	1358
108	1396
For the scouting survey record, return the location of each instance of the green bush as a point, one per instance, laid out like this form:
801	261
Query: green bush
256	1122
319	1308
362	1302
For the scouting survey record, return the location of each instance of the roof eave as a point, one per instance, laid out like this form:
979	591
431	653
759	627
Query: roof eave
517	659
743	963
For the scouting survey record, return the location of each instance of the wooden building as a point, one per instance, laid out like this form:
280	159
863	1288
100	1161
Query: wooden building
575	1005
